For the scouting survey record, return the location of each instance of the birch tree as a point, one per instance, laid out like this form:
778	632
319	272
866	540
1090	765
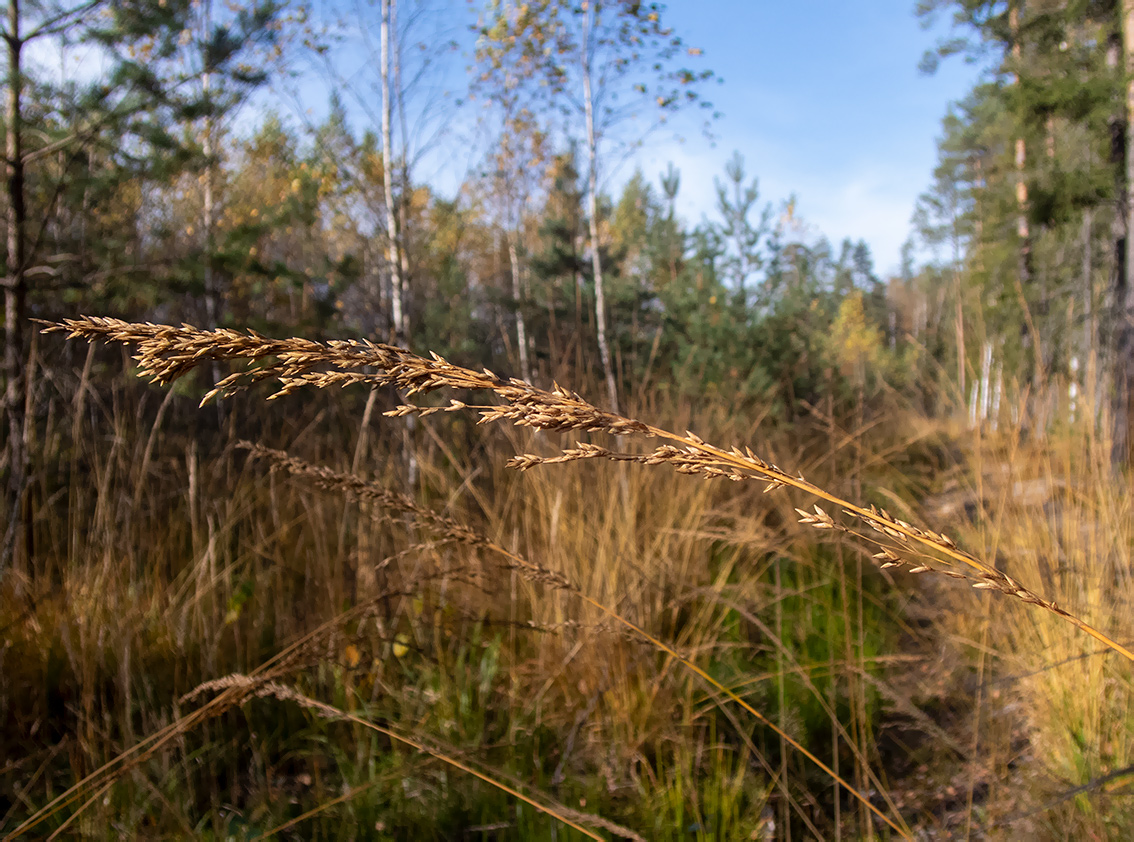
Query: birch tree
517	171
519	154
601	64
387	61
397	289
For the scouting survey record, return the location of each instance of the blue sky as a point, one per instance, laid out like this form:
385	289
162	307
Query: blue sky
822	98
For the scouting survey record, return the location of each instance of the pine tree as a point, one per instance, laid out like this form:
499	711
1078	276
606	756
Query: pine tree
735	202
1058	95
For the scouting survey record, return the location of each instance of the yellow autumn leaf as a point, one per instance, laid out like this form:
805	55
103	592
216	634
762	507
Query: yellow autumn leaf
400	647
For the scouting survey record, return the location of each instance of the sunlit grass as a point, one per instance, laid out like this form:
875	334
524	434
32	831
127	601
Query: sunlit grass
614	646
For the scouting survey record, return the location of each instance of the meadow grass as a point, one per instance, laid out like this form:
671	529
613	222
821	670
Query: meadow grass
630	650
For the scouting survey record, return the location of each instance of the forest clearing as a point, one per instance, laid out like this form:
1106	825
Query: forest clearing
339	506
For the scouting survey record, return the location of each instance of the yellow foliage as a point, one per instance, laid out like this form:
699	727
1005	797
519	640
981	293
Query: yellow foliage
400	647
855	345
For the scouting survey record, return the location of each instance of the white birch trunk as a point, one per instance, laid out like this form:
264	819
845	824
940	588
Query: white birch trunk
399	316
985	381
397	303
208	214
592	212
517	300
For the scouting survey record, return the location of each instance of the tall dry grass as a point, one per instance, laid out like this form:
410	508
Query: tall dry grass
678	656
167	353
1057	515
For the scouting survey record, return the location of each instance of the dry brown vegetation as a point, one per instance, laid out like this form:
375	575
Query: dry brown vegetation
166	353
632	630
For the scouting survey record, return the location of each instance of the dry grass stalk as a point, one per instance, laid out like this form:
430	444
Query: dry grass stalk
363	489
101	779
166	353
251	687
372	492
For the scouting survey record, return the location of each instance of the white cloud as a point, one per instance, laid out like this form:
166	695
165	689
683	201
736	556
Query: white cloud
864	202
870	206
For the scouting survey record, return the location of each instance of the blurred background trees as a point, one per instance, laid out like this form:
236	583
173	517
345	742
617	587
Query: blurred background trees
156	184
151	188
1030	210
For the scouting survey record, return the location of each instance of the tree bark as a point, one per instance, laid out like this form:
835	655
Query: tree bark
592	212
1023	232
517	299
208	205
15	301
208	209
1123	286
397	303
1021	157
395	255
404	242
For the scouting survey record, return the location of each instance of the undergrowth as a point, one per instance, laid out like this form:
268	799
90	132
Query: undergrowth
286	638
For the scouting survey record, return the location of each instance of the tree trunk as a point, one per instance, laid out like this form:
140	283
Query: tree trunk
397	304
1090	324
394	254
592	212
208	216
1023	232
208	207
15	303
1021	155
959	326
404	232
517	299
1123	297
1022	228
